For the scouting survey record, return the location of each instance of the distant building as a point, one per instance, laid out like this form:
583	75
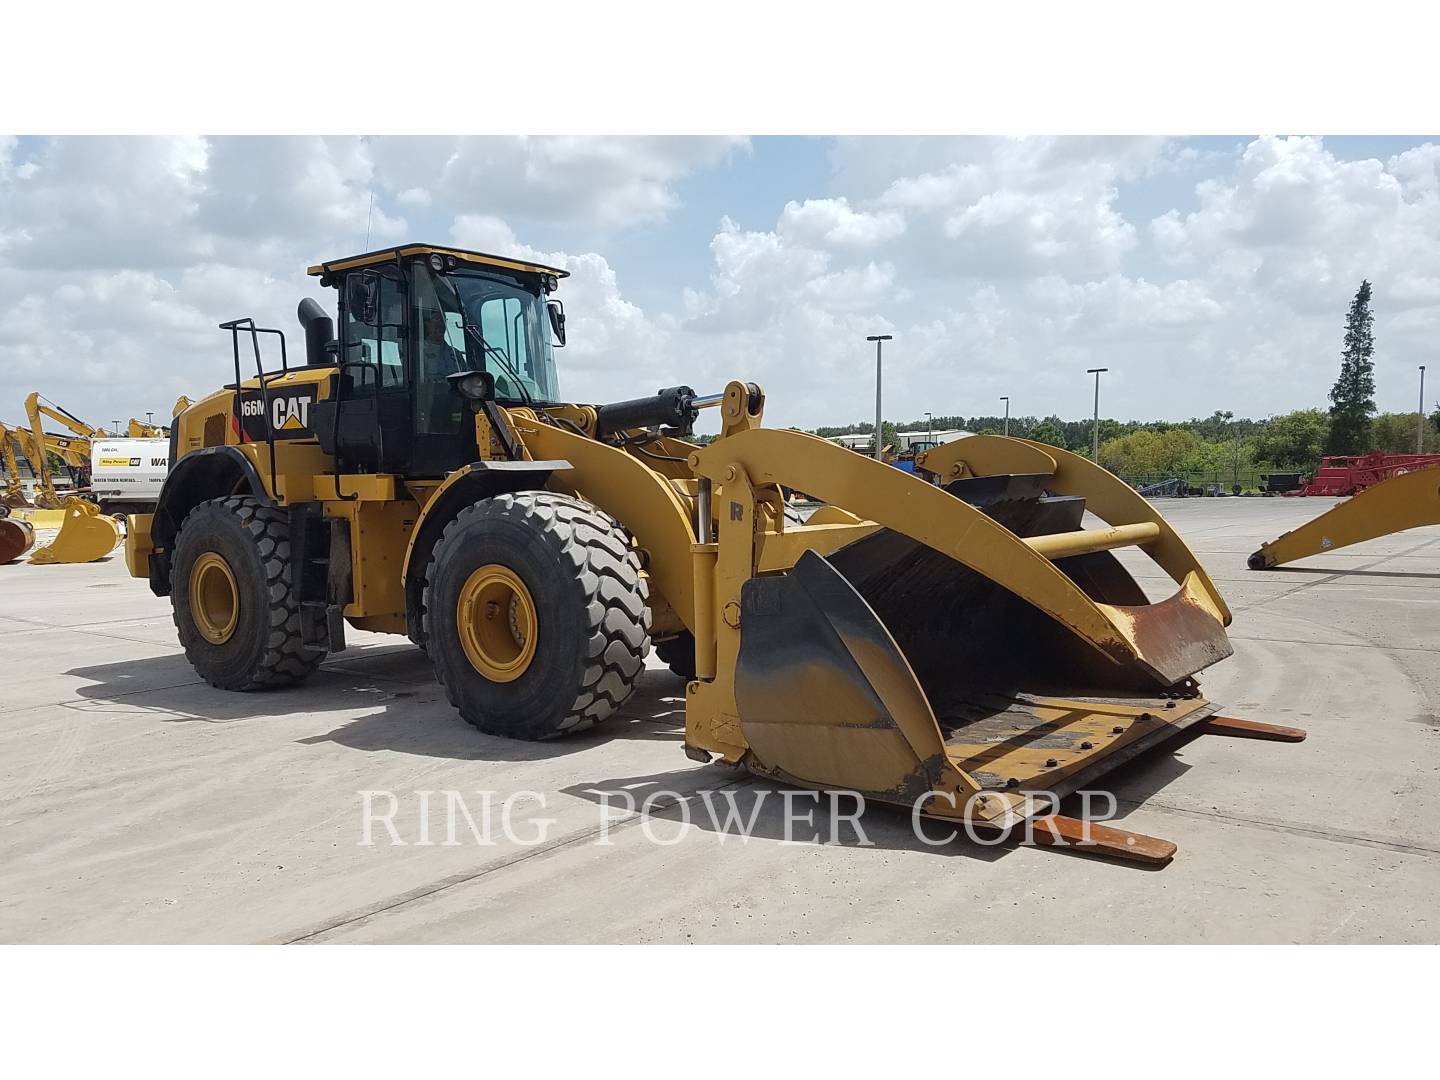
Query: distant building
909	438
903	439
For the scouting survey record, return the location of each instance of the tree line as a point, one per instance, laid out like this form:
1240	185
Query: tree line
1223	443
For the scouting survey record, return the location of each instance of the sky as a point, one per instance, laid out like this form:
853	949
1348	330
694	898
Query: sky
1204	273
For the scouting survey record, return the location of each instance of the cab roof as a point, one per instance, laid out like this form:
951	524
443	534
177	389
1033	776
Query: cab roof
475	258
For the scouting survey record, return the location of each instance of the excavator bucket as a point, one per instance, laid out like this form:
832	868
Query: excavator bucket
974	649
1406	501
85	535
16	538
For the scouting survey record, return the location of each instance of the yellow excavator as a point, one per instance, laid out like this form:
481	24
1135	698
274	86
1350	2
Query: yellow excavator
137	429
85	534
14	495
1408	500
74	450
16	536
966	651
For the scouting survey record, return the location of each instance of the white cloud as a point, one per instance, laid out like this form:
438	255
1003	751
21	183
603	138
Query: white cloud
606	182
1001	266
831	223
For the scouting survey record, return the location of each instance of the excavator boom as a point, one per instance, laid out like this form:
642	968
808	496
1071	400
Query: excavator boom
1406	501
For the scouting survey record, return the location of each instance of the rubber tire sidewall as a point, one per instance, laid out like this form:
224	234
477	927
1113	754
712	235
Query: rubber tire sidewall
212	526
521	708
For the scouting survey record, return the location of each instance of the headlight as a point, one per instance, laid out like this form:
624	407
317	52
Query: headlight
474	385
437	261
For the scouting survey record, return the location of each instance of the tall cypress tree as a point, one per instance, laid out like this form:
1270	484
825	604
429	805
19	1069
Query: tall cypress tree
1353	395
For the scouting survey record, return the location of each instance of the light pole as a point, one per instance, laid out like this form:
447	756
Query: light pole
1006	399
116	425
929	428
1235	446
1095	430
149	418
879	439
1420	420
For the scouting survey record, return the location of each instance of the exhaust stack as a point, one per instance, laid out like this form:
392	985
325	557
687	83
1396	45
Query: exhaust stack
319	333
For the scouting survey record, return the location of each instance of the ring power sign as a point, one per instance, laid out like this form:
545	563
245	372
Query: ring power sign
126	474
289	415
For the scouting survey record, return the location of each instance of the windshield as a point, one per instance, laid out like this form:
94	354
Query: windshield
501	328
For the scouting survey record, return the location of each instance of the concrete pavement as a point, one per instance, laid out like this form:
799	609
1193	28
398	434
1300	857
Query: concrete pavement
138	804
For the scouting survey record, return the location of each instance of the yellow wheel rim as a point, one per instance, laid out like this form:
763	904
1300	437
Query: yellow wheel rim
496	619
214	598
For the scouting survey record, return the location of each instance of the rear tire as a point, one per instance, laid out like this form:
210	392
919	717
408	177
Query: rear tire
564	577
232	559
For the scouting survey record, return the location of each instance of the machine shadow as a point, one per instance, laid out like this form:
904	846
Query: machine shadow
1350	573
402	708
405	711
730	803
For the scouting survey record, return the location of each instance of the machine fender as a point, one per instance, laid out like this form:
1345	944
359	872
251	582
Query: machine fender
199	475
627	489
464	486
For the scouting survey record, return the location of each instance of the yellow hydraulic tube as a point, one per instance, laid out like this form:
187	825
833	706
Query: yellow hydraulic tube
1086	541
1407	501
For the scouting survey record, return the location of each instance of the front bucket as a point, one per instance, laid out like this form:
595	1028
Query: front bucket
16	538
85	535
991	713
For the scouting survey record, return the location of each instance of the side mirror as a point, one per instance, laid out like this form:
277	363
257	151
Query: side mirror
557	320
362	296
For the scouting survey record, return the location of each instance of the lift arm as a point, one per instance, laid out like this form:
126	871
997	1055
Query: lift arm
1403	502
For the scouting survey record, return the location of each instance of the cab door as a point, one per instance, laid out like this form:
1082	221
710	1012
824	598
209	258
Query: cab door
444	428
367	422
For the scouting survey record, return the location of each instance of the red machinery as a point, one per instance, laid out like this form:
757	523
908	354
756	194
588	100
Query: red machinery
1344	476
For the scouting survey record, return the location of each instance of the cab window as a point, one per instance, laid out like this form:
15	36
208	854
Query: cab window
379	346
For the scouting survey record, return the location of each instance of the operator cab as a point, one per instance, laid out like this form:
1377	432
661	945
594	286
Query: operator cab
412	319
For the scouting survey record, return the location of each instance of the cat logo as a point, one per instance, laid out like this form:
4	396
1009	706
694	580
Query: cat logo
290	413
289	416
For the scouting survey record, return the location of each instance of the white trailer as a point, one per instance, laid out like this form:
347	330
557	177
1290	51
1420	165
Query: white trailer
126	474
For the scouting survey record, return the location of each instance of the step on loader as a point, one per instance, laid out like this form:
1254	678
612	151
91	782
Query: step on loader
958	651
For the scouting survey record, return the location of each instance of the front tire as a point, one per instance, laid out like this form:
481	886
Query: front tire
535	615
230	591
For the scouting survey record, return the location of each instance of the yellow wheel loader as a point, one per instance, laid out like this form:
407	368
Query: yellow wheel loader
952	650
